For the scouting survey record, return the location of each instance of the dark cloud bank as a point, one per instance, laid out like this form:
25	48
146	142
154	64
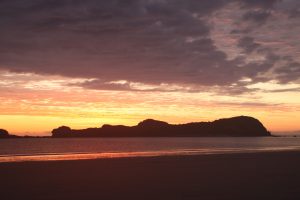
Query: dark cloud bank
146	41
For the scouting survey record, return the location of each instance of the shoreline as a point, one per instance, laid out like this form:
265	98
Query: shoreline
118	137
264	175
73	156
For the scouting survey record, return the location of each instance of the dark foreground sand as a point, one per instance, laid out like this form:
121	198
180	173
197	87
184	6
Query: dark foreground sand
236	176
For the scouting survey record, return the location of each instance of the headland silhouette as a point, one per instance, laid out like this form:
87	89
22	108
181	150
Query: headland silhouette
242	126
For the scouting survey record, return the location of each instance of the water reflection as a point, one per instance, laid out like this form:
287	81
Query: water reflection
175	152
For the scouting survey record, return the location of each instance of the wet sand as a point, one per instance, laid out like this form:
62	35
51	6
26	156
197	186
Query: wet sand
252	176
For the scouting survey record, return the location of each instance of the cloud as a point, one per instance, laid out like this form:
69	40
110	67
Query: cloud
248	44
249	104
258	16
151	42
285	90
289	72
265	4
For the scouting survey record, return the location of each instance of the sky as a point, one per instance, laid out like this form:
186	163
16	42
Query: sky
94	62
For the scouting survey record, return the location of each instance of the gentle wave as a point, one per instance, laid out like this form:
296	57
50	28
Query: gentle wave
102	155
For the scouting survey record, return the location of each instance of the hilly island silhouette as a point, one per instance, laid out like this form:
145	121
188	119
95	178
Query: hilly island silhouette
4	133
241	126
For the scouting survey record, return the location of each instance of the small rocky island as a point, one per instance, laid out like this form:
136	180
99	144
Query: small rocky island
242	126
5	134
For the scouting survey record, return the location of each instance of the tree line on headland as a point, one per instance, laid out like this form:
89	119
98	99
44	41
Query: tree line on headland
242	126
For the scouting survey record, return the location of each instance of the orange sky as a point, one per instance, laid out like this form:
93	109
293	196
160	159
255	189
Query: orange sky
37	106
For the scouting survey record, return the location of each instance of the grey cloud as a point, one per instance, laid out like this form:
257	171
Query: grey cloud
127	86
259	12
297	89
97	84
248	104
100	85
294	13
146	41
290	7
240	31
259	3
289	72
236	90
258	16
248	44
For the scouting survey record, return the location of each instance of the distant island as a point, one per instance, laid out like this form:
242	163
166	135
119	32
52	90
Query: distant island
242	126
5	134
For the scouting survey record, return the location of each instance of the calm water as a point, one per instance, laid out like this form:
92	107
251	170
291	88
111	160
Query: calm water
14	150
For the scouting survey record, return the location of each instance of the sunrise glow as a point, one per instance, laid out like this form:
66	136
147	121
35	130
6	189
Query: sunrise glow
68	65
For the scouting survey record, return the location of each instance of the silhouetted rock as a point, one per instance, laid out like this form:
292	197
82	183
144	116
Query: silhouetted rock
242	126
62	131
4	133
151	123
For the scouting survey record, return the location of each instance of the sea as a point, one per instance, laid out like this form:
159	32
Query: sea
47	149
